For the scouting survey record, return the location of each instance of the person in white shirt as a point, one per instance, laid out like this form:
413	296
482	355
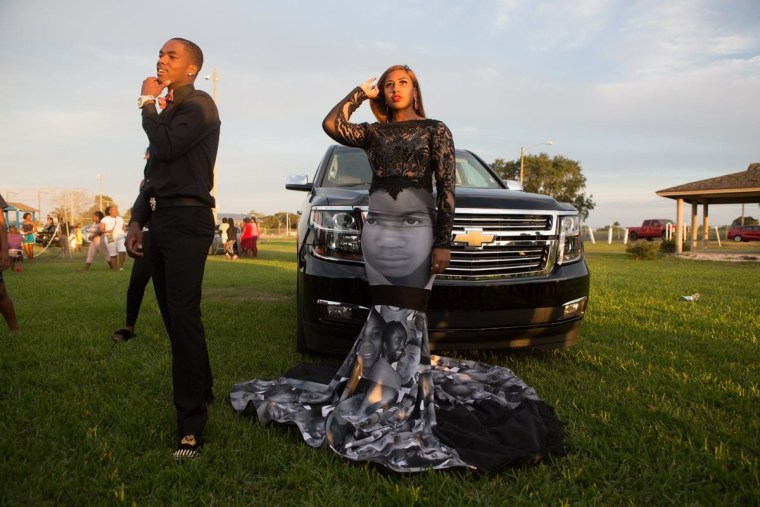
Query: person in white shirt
113	233
223	228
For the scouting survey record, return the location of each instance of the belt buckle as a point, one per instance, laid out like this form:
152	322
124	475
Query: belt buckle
152	202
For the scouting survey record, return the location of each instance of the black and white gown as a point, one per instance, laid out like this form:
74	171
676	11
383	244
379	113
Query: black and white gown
391	402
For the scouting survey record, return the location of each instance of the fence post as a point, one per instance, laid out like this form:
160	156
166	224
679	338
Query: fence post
625	236
717	235
609	235
591	235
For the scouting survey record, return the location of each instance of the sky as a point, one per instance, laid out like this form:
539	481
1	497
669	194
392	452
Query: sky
645	95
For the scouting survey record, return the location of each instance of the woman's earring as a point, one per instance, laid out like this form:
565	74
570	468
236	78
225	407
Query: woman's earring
416	107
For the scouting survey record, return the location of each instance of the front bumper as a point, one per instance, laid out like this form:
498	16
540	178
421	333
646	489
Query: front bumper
541	311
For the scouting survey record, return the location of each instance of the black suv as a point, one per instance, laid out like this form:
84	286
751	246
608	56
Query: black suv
518	277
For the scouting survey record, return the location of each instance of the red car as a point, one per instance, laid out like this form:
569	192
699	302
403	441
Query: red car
744	233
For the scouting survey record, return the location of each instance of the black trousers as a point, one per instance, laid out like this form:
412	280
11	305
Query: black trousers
142	270
180	238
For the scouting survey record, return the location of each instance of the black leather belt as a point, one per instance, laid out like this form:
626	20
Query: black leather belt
175	202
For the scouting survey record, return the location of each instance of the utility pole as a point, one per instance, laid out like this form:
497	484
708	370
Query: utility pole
522	156
100	182
214	78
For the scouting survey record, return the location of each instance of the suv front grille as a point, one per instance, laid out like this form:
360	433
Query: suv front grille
504	223
492	244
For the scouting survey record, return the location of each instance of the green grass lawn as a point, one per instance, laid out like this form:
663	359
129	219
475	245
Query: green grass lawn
661	397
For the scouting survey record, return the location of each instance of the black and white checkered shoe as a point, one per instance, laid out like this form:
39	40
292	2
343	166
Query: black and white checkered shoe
189	448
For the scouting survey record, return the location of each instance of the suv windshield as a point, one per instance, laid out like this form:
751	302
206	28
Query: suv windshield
471	173
350	168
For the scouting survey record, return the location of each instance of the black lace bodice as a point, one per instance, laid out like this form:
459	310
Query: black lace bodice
402	154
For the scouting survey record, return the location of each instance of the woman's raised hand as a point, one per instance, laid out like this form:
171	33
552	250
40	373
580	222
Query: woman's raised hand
370	89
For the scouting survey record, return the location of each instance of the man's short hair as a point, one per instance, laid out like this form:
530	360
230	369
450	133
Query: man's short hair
196	55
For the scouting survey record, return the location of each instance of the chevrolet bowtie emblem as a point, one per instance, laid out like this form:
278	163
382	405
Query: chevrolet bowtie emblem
474	238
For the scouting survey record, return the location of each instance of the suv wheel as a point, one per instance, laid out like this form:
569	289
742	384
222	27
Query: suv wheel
737	238
633	236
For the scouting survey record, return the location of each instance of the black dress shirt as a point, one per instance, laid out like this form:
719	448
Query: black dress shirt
184	139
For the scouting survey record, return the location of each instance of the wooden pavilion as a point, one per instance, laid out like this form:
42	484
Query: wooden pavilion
735	188
18	209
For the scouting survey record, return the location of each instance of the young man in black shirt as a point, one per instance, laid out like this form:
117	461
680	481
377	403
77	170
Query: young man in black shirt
177	201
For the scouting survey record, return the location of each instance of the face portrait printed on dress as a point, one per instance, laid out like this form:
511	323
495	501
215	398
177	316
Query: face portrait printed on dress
397	348
394	336
397	238
409	362
371	337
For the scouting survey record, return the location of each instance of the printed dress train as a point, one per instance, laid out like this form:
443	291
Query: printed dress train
391	402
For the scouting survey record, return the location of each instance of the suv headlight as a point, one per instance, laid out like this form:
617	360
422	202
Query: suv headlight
570	242
337	234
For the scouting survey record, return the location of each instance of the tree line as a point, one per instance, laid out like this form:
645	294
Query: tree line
558	177
77	207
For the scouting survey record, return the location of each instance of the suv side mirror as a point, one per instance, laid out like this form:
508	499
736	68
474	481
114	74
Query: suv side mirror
298	182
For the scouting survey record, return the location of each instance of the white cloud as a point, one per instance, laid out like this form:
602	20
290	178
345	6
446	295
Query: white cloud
385	45
569	25
675	36
504	10
552	25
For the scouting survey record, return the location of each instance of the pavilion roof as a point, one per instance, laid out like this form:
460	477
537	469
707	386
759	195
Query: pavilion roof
734	188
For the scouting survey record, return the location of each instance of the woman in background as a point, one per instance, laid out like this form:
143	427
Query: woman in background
30	235
255	233
97	244
15	248
246	238
229	245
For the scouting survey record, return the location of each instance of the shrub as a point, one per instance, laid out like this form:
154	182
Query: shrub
643	250
668	246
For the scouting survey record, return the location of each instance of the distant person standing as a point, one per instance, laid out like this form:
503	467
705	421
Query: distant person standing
95	237
223	228
249	237
256	232
78	238
246	239
176	199
6	303
229	245
112	227
30	235
64	237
